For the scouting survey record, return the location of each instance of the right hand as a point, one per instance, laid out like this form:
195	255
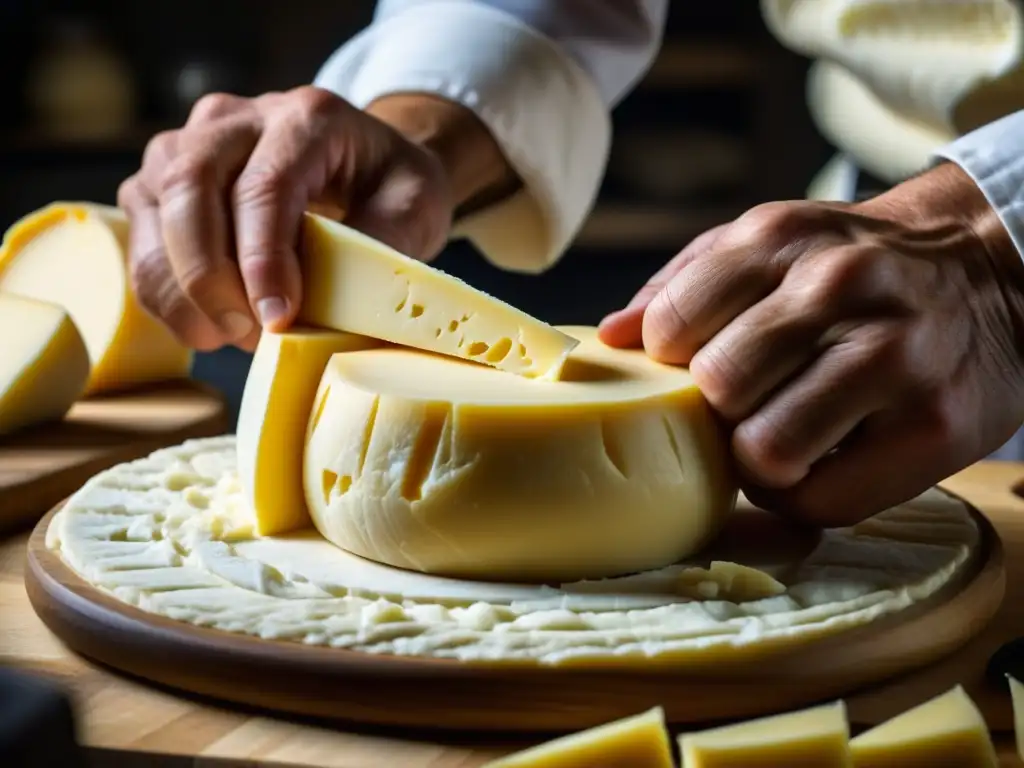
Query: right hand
216	207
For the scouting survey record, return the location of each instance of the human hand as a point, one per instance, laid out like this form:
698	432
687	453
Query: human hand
860	353
216	207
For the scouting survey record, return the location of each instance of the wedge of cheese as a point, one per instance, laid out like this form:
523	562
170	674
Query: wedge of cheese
276	403
353	283
640	741
75	255
817	736
437	465
44	366
946	730
1017	696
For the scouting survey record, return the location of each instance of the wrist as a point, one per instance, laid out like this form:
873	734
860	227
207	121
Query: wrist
478	173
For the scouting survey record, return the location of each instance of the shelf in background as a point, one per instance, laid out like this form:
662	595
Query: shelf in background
647	226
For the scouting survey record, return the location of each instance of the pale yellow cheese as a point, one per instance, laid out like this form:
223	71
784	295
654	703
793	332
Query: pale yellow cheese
75	255
436	465
1017	696
640	741
44	366
729	581
353	283
945	730
816	737
279	392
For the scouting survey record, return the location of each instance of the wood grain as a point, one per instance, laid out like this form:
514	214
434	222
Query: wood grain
128	723
44	464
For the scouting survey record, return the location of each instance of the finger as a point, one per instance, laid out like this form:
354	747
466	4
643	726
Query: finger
623	327
270	196
745	263
811	415
859	480
196	223
153	280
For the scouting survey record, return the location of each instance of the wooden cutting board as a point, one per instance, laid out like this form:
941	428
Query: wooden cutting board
128	722
42	465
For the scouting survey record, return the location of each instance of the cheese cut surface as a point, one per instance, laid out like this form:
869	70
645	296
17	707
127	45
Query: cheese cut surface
1017	696
354	283
438	465
172	534
276	402
640	741
946	730
44	366
75	255
816	737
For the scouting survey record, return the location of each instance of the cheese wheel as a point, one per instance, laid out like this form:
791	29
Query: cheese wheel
353	283
44	366
278	396
640	741
432	464
75	255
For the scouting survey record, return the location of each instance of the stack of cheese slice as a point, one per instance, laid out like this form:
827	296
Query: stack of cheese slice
947	730
74	257
456	435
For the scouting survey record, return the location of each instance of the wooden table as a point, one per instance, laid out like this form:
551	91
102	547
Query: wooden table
126	723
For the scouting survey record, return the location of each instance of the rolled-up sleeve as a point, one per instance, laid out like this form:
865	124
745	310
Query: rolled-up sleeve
993	156
541	75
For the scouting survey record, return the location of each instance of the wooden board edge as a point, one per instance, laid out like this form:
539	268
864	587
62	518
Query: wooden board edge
406	692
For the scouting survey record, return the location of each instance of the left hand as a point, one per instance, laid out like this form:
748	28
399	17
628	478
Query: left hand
862	353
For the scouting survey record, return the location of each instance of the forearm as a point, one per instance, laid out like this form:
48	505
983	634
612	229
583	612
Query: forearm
478	172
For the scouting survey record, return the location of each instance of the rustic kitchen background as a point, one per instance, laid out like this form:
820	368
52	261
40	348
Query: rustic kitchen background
719	124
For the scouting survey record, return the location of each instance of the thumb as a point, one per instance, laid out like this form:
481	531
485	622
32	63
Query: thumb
404	211
624	328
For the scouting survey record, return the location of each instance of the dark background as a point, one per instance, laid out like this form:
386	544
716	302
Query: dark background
719	124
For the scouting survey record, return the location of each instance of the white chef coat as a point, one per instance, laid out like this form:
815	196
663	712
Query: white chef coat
895	86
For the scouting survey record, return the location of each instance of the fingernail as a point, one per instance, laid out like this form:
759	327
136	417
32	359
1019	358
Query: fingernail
236	324
271	309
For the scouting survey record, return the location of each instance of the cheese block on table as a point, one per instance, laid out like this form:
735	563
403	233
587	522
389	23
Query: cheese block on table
441	466
354	283
816	737
276	402
44	366
75	255
640	741
946	730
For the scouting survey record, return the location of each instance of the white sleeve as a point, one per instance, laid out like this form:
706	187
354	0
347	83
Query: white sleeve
541	74
993	156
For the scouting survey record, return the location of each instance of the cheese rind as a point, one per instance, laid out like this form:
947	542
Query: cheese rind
276	403
640	741
945	730
818	736
441	466
44	366
75	255
354	283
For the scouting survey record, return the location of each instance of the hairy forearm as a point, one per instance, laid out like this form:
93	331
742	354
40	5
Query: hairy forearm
478	173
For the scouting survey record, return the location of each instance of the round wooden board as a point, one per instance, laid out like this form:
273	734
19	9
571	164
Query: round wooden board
425	693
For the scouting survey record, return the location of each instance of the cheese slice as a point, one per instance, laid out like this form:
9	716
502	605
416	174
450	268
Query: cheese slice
437	465
44	366
818	736
353	283
728	581
640	741
276	402
75	255
1017	696
946	730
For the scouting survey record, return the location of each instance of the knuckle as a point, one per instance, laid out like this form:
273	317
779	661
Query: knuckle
186	172
214	105
129	193
198	282
764	451
720	379
160	149
313	102
263	186
770	223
